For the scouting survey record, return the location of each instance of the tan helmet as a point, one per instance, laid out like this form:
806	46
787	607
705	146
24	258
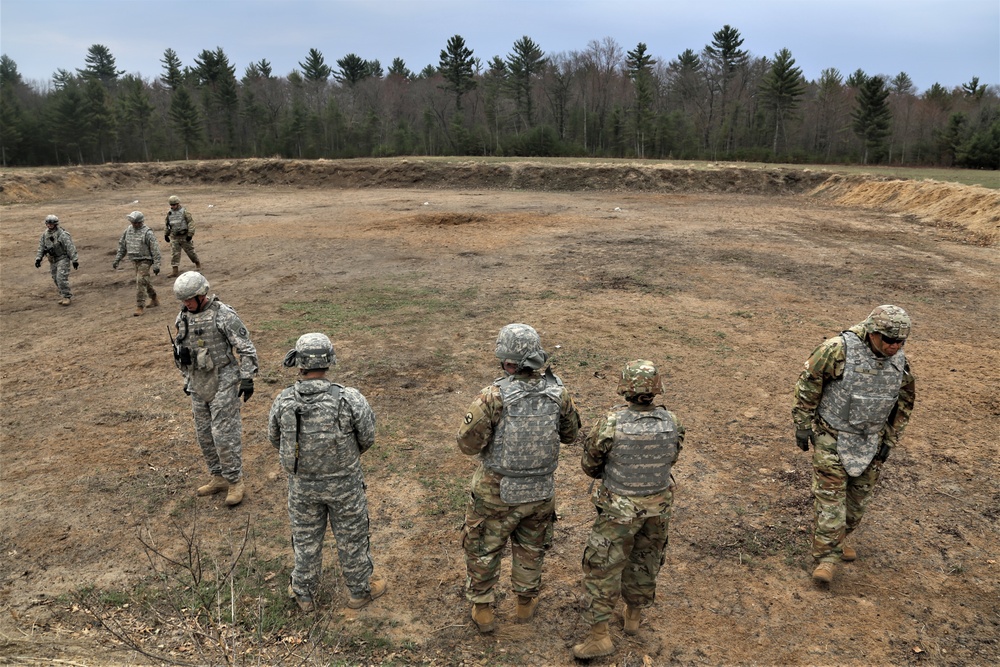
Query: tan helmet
173	199
189	285
890	321
135	216
640	377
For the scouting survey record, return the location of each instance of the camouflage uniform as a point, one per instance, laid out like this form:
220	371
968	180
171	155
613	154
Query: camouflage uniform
57	245
144	252
633	448
506	501
845	469
179	232
207	341
321	429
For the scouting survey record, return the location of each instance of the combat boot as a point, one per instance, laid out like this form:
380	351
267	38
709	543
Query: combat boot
848	554
305	602
217	485
482	616
596	644
632	618
174	272
525	608
376	589
154	302
823	574
235	495
138	311
64	301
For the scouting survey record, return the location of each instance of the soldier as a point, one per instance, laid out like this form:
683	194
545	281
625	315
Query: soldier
57	244
852	403
633	449
321	429
179	232
209	335
141	247
514	426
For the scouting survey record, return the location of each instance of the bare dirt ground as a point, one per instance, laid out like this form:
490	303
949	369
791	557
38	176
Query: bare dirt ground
726	278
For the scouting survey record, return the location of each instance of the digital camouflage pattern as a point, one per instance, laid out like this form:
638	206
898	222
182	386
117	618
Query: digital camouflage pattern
627	543
213	337
519	343
489	521
180	231
142	249
320	430
859	403
640	377
645	448
312	351
57	245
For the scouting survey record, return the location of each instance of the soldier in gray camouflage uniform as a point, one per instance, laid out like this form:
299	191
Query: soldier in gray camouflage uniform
852	402
321	429
56	244
179	233
632	450
514	426
139	243
209	335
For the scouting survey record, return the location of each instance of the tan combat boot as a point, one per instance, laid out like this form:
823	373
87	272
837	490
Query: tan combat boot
525	608
305	602
138	311
64	301
154	302
482	616
235	495
217	485
174	272
848	554
596	644
823	574
376	589
632	618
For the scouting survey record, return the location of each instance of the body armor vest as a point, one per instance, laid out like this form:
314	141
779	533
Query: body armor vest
54	244
178	224
209	350
312	441
858	404
644	451
135	244
525	446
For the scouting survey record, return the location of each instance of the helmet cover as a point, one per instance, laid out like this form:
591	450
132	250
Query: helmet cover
890	321
189	285
520	344
52	220
135	216
312	351
640	377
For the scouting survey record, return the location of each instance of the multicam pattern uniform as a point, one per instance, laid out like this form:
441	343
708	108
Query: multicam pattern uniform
840	499
180	230
144	252
58	246
210	337
626	547
490	520
321	429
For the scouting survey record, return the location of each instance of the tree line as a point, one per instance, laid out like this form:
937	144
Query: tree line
720	103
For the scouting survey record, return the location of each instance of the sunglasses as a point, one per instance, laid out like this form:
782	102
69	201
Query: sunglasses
892	341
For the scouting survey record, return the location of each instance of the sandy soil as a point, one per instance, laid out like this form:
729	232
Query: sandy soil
726	279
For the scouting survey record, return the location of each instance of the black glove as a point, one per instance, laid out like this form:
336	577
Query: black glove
38	263
156	271
76	265
189	238
187	391
803	436
184	356
114	266
246	389
883	452
166	237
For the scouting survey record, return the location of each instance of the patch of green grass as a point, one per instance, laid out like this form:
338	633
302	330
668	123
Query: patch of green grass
446	495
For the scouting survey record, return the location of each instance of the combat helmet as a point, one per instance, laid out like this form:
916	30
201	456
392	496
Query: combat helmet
189	285
640	377
173	199
135	216
520	344
312	351
890	321
52	220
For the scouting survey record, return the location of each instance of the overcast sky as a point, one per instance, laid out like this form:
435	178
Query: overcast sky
942	41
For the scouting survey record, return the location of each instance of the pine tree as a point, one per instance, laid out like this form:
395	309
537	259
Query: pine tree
315	69
872	117
523	63
352	69
100	65
639	66
184	115
456	66
172	75
781	89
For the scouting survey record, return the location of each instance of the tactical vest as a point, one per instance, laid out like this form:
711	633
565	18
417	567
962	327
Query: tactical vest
209	349
177	222
312	442
525	446
858	404
54	244
135	244
644	451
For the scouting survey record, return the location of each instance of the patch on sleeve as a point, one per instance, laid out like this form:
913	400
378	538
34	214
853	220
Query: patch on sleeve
468	418
244	332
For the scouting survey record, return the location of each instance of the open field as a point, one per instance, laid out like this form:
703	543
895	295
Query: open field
727	277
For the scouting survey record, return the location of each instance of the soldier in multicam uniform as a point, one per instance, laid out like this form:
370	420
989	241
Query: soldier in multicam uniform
633	450
852	403
514	426
56	244
321	429
142	249
209	335
179	232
